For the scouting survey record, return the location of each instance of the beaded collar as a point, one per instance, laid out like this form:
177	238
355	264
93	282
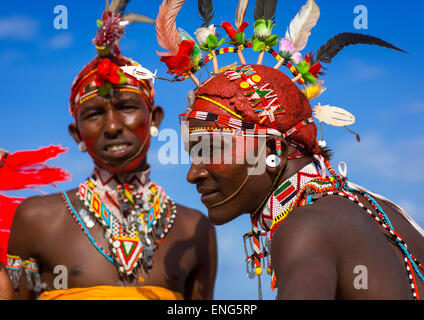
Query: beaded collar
304	188
107	183
280	202
135	213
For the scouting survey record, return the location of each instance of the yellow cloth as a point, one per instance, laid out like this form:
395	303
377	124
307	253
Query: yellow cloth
112	293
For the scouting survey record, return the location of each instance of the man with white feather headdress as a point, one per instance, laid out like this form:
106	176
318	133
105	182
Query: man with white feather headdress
324	237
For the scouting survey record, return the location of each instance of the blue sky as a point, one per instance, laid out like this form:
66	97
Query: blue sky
383	88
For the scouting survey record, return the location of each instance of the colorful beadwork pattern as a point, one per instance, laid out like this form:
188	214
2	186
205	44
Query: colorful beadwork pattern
264	101
280	203
15	266
248	128
147	223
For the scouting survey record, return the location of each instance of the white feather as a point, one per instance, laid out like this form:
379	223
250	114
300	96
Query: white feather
241	12
300	27
139	72
333	116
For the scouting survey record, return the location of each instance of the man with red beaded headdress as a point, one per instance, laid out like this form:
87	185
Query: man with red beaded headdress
321	231
119	235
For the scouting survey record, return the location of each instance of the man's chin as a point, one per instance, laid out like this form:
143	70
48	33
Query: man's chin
220	215
121	167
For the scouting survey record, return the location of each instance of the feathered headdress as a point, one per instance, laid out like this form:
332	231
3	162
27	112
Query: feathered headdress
112	26
110	68
255	100
305	69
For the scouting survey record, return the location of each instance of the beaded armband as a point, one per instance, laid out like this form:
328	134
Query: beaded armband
15	266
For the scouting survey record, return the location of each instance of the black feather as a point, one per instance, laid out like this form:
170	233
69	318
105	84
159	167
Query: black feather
206	11
333	46
265	9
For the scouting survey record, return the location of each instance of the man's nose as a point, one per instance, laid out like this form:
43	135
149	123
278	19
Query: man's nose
196	173
113	125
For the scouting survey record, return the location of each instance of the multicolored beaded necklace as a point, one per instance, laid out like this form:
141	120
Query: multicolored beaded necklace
277	207
145	216
287	197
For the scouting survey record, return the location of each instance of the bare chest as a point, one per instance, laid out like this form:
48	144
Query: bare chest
73	256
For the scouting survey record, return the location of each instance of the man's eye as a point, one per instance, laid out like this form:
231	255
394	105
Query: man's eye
93	115
127	108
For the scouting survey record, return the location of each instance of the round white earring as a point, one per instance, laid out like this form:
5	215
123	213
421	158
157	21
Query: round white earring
82	146
154	131
273	161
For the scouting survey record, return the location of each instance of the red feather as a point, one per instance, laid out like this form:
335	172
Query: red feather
20	170
181	62
24	169
229	29
7	210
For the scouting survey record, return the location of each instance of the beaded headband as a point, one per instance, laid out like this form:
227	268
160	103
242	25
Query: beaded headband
185	58
91	86
106	75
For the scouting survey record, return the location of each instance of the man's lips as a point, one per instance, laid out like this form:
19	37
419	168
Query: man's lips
117	151
209	195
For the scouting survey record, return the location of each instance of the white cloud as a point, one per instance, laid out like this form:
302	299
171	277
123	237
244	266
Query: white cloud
18	28
393	160
415	107
11	55
363	70
61	41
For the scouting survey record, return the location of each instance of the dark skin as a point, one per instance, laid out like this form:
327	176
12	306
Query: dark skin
6	290
184	262
316	249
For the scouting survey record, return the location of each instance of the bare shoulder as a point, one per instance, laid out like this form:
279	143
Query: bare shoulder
192	218
311	219
315	228
39	209
194	225
32	217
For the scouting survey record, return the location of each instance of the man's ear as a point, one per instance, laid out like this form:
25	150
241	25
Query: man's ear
74	132
157	116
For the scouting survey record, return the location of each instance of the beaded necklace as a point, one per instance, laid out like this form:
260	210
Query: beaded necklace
337	185
277	207
145	216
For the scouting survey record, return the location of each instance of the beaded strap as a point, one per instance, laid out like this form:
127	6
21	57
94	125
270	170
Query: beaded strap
382	219
78	219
